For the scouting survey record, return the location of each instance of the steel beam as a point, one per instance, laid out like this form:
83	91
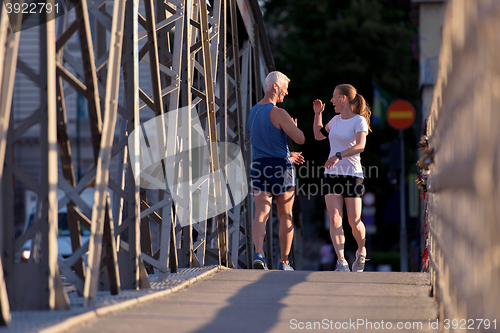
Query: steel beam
9	45
101	196
192	62
214	149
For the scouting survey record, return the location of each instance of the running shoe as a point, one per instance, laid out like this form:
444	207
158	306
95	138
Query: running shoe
285	266
259	262
342	266
359	264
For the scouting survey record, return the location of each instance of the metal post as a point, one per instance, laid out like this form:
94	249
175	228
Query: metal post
101	196
240	129
172	58
222	119
63	142
175	134
7	75
246	93
57	298
214	150
402	189
9	44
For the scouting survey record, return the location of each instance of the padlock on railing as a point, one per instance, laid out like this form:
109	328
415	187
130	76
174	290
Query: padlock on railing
422	183
426	159
424	142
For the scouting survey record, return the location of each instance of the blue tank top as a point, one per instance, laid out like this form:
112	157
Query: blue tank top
267	140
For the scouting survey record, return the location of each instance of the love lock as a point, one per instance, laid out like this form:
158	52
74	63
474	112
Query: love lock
426	159
422	183
424	141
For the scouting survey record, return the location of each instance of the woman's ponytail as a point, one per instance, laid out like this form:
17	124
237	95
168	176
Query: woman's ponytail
362	108
357	101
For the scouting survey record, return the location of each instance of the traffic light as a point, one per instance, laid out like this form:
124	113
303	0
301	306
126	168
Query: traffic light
393	159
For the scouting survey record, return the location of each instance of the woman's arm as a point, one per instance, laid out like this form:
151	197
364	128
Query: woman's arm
359	147
318	107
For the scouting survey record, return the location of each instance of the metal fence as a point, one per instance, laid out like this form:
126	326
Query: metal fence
209	54
462	204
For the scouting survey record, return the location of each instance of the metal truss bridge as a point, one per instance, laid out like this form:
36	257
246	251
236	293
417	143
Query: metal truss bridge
198	66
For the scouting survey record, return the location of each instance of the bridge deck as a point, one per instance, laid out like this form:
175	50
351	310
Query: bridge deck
276	301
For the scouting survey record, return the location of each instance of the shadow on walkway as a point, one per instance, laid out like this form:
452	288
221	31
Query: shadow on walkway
256	307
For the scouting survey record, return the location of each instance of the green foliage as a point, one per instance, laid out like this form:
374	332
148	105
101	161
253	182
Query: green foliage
319	44
322	43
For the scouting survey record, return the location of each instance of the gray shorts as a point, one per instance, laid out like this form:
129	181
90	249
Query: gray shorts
272	175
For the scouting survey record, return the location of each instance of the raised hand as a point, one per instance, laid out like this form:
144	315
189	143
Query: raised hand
318	106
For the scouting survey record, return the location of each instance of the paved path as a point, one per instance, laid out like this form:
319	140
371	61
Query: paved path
105	303
277	301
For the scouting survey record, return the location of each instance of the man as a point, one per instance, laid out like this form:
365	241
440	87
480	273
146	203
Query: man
273	172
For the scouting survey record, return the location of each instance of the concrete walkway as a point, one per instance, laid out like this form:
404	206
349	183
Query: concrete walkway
277	301
58	321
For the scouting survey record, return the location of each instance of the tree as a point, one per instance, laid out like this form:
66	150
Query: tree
319	44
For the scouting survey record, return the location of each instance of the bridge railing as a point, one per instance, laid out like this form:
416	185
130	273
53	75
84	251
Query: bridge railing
462	204
130	62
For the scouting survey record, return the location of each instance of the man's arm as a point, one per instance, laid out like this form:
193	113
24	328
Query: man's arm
282	119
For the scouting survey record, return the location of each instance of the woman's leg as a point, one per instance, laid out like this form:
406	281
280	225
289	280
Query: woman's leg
284	203
353	207
262	208
334	204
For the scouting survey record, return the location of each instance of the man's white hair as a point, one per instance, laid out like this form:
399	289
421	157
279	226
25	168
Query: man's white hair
275	77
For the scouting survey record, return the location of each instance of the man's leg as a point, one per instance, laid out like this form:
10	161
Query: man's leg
334	204
262	208
285	204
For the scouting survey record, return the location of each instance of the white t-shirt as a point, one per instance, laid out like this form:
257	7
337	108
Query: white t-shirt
342	136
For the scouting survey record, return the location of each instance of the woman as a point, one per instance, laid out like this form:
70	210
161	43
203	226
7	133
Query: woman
343	181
